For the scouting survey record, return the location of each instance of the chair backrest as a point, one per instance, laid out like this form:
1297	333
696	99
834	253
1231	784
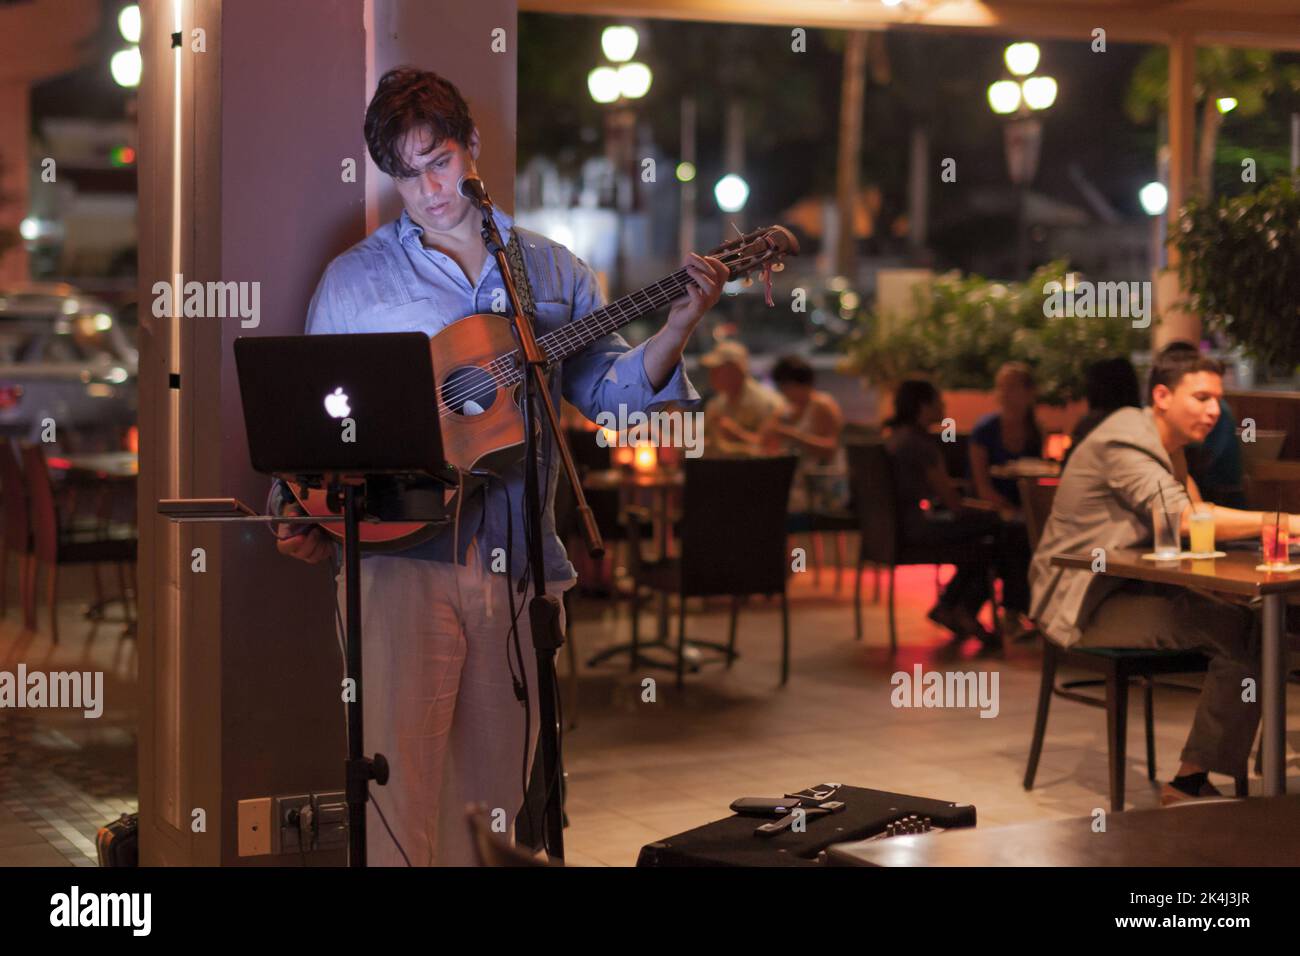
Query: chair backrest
13	489
956	455
871	477
1036	499
733	525
40	496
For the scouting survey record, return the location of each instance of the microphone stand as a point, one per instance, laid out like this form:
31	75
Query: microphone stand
543	608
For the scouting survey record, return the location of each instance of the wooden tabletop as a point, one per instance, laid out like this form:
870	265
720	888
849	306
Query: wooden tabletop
1027	468
1254	832
1233	574
618	478
114	464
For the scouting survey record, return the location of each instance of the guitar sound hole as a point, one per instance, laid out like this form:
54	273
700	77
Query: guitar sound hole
469	391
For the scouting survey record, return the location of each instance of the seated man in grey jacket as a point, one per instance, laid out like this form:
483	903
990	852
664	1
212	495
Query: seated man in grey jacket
1104	501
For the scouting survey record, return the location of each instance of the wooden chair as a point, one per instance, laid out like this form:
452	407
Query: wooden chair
1116	667
733	542
57	542
17	533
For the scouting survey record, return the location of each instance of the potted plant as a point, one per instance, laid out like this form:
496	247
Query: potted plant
965	327
1240	265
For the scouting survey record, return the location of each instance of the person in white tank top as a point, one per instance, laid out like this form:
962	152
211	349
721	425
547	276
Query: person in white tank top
810	429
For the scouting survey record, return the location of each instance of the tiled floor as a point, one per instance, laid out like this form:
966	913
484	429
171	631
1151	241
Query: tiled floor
640	771
63	776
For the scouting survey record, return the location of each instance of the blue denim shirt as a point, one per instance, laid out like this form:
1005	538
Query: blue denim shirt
390	282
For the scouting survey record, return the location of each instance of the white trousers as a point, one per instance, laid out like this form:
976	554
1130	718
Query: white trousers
439	703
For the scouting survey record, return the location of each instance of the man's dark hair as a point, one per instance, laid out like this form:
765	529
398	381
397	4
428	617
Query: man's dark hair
792	369
1176	360
1111	384
406	99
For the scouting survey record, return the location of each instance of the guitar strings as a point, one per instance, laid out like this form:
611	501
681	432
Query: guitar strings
575	333
567	336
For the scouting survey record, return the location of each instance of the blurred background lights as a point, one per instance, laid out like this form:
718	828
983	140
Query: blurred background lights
1021	58
603	84
128	23
1004	96
731	193
619	43
126	67
1154	198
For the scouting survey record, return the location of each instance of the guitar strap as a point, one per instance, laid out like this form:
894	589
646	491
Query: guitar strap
515	256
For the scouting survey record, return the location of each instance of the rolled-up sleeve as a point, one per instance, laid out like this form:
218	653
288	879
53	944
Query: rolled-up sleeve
609	373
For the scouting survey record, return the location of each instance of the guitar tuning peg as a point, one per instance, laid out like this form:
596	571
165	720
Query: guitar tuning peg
747	281
778	266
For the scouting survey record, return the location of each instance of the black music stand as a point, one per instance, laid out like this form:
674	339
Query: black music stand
345	492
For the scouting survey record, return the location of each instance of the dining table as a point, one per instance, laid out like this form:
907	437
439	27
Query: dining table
660	484
1234	574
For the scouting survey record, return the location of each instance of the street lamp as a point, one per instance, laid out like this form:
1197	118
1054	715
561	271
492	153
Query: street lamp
1018	97
619	43
128	23
126	67
1154	198
731	192
618	84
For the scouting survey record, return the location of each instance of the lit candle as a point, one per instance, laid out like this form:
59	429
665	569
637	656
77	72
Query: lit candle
645	458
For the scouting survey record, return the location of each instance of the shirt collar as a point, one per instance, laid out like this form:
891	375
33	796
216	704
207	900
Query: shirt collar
409	230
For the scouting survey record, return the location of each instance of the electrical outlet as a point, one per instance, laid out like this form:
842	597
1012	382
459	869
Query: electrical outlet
256	833
330	824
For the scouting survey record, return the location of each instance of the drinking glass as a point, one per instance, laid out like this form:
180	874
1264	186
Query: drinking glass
1202	528
1165	525
1275	538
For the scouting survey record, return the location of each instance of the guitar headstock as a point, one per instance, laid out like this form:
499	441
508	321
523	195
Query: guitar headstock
764	249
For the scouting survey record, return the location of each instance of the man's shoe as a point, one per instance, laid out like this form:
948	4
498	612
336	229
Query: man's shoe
1192	787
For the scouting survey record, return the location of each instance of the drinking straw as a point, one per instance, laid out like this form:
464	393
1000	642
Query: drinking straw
1277	522
1164	510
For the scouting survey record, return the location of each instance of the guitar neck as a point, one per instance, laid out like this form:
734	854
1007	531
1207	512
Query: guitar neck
573	337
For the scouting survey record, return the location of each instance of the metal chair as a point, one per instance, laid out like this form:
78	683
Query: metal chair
56	542
871	477
733	542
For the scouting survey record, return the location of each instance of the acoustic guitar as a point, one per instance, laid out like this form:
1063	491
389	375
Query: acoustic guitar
479	375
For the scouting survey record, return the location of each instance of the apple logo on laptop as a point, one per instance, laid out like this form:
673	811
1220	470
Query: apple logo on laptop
336	403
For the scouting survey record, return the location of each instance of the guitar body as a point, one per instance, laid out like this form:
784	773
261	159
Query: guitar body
482	422
479	383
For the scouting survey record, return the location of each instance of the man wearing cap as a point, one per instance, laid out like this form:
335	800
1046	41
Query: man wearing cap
740	404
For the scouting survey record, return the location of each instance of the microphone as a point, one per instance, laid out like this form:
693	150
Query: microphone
472	188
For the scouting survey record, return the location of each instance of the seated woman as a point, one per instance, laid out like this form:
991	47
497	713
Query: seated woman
932	511
809	428
998	438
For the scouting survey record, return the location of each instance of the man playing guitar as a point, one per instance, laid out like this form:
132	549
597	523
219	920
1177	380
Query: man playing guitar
443	685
